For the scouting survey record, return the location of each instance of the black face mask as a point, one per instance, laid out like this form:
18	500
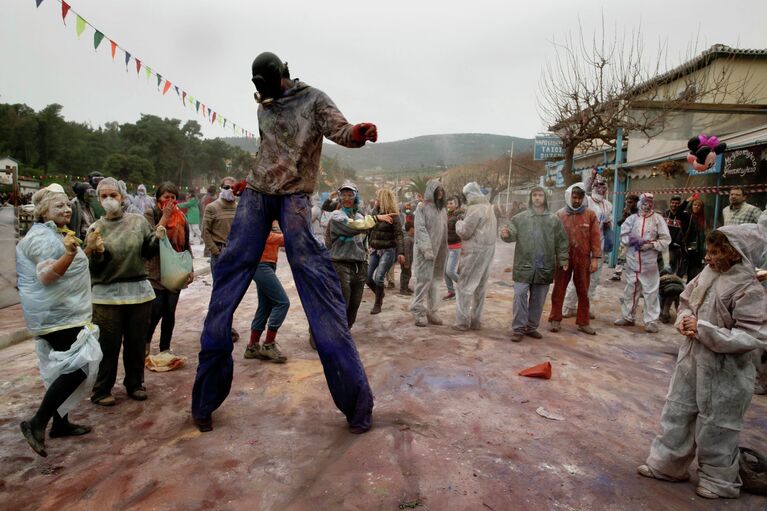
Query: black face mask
268	72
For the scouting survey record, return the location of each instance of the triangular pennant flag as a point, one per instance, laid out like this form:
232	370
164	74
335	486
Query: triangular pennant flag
39	2
214	118
234	128
219	120
148	71
127	60
159	80
224	122
114	48
183	98
79	26
64	11
138	65
175	87
97	38
203	110
167	86
197	106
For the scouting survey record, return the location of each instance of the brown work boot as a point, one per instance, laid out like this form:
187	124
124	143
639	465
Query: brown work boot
515	337
379	300
586	329
271	353
554	326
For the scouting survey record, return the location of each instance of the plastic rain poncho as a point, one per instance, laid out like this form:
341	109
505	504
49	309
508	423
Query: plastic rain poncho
62	304
642	273
65	303
713	379
477	231
429	252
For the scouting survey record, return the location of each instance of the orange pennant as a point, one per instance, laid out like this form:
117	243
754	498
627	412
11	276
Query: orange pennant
114	48
166	87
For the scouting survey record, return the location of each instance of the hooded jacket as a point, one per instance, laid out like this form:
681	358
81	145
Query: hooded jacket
479	226
291	129
644	227
545	246
430	224
729	306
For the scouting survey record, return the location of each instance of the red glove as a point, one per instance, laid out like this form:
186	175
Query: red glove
238	188
364	131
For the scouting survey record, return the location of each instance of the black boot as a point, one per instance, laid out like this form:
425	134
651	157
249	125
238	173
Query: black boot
379	300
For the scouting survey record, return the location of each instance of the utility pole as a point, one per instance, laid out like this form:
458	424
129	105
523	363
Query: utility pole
508	184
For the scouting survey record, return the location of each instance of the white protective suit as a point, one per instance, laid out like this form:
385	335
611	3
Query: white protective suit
603	208
713	380
477	231
429	253
642	274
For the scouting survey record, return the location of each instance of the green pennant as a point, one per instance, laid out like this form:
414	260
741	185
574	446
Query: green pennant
97	37
79	26
148	71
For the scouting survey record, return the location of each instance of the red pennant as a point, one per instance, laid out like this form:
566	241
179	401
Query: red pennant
166	87
114	48
183	98
64	11
214	118
203	110
138	65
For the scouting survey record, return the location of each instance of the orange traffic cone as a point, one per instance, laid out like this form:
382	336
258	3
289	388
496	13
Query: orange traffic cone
539	371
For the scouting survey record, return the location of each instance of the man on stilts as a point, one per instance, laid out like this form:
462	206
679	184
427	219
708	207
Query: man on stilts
293	118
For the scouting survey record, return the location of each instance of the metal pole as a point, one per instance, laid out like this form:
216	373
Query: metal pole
718	167
508	183
618	199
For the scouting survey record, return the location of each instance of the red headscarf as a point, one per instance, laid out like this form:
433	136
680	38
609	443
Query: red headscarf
175	226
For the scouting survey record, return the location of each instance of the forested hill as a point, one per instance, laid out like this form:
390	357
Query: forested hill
426	151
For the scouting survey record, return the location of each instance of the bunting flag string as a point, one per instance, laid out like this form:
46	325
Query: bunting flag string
208	113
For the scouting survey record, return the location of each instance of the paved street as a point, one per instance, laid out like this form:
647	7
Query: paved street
455	427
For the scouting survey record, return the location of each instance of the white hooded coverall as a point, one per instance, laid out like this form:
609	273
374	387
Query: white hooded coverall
642	274
713	379
429	253
477	231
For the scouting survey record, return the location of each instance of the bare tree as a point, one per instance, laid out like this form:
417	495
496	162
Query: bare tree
591	88
493	174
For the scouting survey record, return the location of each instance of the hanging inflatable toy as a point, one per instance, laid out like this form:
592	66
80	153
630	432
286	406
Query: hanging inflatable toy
703	151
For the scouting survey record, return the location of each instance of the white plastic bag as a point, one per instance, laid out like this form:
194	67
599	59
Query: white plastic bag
85	353
175	267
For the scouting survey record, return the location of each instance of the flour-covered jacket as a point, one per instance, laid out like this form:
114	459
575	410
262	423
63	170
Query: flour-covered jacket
292	128
479	227
430	226
348	235
650	228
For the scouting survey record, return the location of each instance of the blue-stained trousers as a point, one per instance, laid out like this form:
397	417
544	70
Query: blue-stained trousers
318	288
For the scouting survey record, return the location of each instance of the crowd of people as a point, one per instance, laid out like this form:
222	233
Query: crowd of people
88	299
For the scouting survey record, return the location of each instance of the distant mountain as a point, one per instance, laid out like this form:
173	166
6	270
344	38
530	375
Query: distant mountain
440	151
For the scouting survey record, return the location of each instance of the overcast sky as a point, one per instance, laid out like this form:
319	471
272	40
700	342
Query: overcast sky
413	67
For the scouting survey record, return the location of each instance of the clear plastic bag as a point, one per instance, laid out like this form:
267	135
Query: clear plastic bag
175	267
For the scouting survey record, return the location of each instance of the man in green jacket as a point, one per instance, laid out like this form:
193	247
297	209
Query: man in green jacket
542	248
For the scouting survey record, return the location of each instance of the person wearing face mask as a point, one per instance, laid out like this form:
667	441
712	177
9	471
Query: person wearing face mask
82	215
217	220
55	293
293	119
429	254
739	211
177	231
585	254
122	295
141	202
645	235
722	319
596	197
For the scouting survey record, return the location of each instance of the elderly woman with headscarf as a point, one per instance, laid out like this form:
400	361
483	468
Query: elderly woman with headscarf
55	293
122	295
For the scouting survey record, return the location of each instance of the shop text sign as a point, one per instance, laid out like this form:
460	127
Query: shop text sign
548	147
740	163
